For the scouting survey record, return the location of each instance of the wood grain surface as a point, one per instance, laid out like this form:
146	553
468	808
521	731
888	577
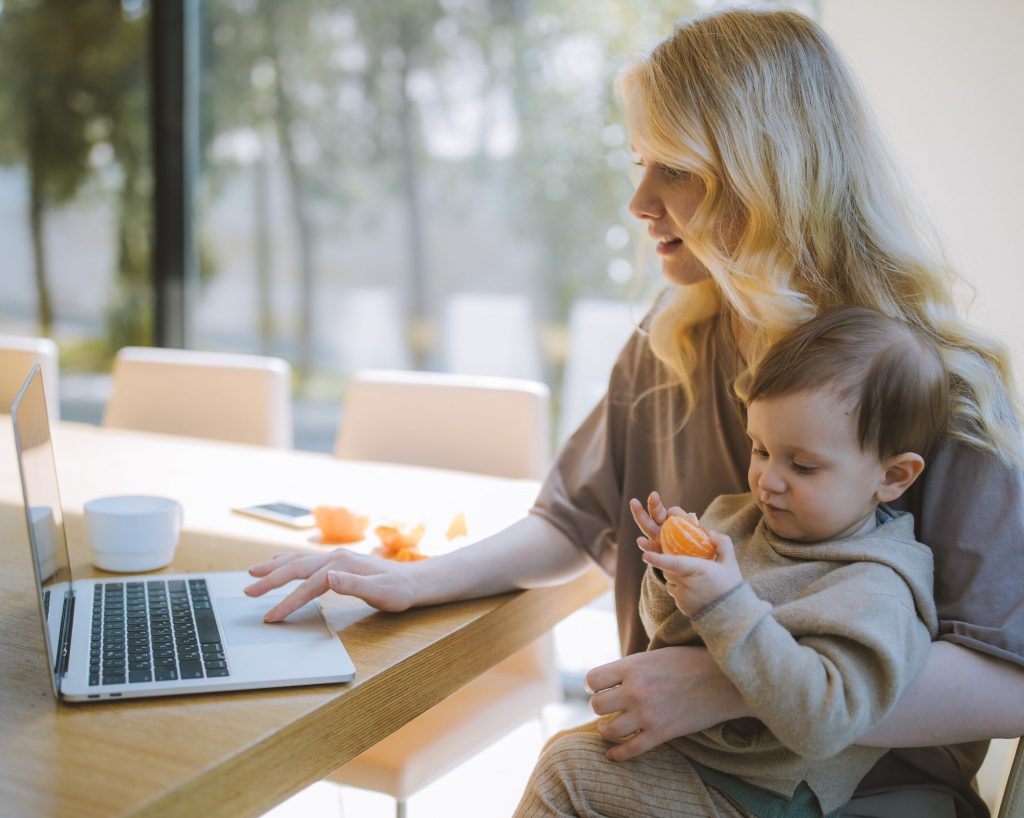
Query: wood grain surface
237	754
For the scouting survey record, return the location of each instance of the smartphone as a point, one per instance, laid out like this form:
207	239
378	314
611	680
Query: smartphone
282	513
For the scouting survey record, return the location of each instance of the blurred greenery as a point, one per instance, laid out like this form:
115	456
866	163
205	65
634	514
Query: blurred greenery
73	107
342	99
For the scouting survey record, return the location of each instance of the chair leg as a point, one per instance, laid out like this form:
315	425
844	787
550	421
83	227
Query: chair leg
400	809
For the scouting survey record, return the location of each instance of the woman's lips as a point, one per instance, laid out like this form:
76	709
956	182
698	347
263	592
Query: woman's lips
668	246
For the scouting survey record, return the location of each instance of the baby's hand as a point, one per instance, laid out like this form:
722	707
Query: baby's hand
696	582
650	521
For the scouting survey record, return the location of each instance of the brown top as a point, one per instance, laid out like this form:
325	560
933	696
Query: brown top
629	447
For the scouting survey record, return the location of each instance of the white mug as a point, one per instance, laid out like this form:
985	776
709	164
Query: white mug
132	532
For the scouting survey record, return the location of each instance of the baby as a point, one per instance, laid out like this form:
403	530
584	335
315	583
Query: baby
818	604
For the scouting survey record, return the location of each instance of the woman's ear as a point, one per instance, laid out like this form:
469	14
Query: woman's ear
901	470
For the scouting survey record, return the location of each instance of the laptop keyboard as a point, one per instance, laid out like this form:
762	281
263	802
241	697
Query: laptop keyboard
154	631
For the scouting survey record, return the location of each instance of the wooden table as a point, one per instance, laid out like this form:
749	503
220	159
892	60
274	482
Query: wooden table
235	754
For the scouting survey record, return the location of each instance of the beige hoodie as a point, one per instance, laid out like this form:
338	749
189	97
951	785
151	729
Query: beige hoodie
820	639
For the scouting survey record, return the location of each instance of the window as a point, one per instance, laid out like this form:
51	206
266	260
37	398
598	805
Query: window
75	176
382	181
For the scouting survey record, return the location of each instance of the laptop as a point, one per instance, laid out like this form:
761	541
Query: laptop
156	634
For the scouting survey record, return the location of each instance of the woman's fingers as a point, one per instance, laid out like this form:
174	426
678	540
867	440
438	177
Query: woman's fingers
618	726
631	746
263	568
604	677
310	589
278	572
606	702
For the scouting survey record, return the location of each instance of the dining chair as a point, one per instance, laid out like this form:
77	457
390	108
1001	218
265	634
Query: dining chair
1001	778
598	329
219	396
366	328
17	355
1012	797
493	426
490	425
490	334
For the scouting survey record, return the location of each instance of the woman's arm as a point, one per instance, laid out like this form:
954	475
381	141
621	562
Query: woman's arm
960	695
527	554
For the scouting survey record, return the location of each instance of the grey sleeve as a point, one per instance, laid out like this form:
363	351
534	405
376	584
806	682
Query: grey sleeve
969	509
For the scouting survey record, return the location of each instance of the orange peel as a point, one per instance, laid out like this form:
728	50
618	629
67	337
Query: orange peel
457	527
394	539
407	555
338	525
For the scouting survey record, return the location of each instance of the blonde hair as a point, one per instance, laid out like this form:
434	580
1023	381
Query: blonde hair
803	211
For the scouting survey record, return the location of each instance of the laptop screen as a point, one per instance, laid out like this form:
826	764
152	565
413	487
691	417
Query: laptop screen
43	514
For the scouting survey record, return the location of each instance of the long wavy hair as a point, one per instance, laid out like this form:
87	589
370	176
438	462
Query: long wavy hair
762	108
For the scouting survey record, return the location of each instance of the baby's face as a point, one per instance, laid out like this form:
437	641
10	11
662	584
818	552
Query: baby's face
808	474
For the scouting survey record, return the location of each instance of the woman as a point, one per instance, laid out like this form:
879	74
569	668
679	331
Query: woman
770	198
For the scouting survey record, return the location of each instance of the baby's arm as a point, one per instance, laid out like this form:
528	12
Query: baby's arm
861	645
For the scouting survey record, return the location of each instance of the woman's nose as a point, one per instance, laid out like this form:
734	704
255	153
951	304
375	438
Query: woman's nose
645	204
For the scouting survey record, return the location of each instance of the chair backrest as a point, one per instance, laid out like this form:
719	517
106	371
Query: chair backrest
220	396
490	334
598	329
1012	802
497	426
18	353
368	329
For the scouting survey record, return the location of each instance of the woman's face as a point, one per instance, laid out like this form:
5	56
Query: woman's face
666	199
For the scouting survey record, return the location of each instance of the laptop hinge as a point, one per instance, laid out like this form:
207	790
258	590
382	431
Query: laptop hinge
67	619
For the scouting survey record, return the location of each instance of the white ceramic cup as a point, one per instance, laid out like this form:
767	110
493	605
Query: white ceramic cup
132	532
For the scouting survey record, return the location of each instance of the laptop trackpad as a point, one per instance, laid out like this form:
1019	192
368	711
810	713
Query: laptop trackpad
241	620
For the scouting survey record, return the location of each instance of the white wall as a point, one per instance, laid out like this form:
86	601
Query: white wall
946	80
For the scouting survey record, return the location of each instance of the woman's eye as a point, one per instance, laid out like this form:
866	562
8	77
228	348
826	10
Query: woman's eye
762	453
674	173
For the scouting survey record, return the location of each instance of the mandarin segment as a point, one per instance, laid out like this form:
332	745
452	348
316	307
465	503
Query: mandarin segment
393	538
338	525
685	536
407	555
457	528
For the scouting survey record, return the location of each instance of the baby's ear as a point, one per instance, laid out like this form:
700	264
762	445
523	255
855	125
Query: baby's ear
901	470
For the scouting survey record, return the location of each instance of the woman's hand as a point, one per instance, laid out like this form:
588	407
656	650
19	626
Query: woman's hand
529	553
661	695
384	584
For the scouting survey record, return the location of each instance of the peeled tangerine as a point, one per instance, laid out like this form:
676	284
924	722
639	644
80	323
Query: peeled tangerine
338	525
399	545
686	536
393	538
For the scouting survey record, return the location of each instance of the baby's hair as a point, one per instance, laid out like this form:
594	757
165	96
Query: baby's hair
888	373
